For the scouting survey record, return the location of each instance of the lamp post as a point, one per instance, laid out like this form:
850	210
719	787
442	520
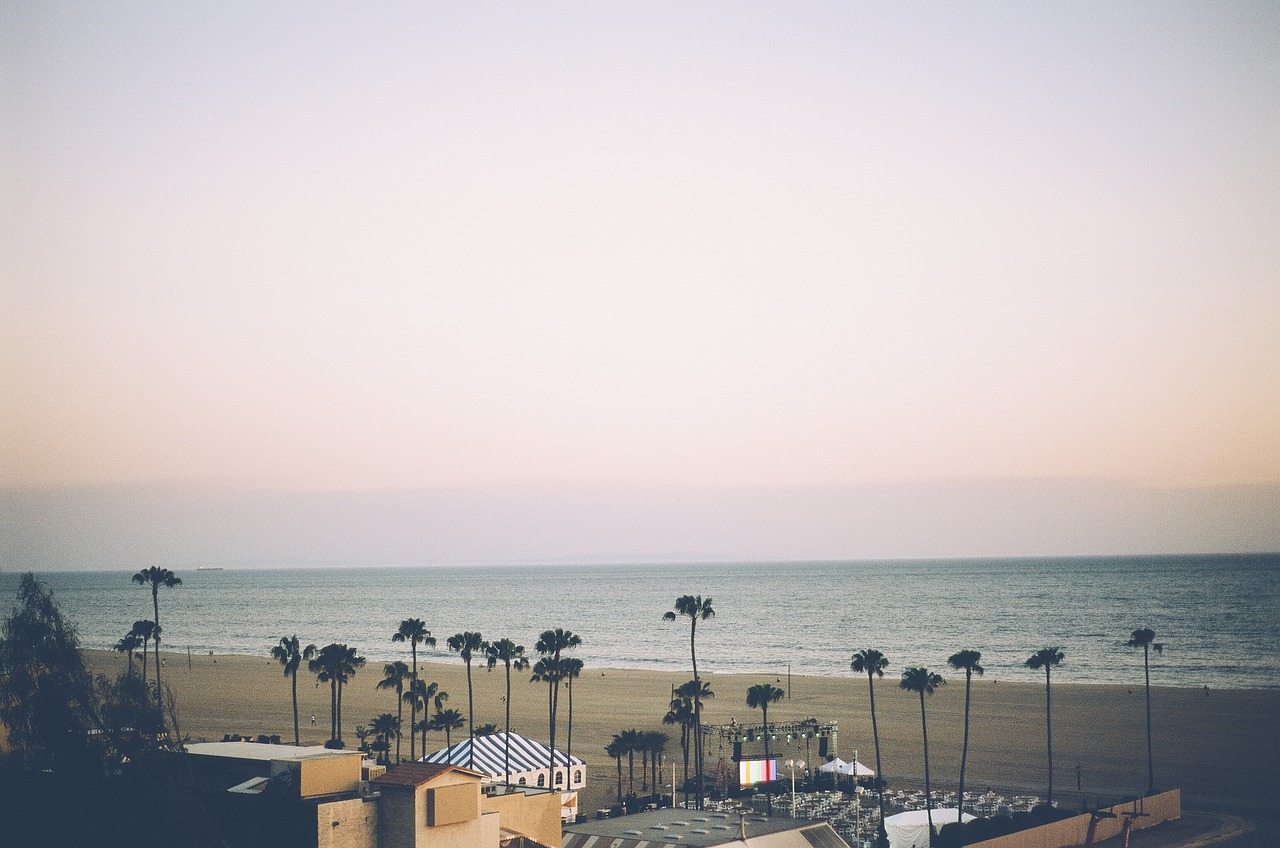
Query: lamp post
793	765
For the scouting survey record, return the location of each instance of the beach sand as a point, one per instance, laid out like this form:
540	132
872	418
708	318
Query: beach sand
1219	748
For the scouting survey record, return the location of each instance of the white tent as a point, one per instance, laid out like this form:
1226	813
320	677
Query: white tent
857	769
836	765
911	829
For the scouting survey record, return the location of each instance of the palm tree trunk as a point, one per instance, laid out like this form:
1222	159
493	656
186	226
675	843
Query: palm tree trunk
964	750
338	732
768	790
1151	773
1048	723
333	708
413	704
155	606
568	741
684	747
631	772
471	722
506	746
697	709
875	735
295	708
928	797
619	759
400	718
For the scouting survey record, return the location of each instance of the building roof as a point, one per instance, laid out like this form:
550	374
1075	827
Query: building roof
265	752
526	755
658	828
416	774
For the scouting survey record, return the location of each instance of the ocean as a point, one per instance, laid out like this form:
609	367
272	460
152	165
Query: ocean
1218	616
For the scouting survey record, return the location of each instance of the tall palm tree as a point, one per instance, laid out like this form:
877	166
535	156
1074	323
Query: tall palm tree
631	741
1047	658
1146	640
415	632
129	643
695	609
350	661
923	682
547	670
448	721
760	697
384	727
616	749
551	644
872	663
394	676
144	630
157	577
325	666
289	653
681	713
466	645
966	661
655	743
570	669
511	655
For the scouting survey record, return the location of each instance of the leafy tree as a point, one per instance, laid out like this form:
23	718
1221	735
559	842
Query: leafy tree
415	632
1146	640
616	749
335	664
423	695
467	645
1047	658
290	654
872	663
966	661
695	609
760	697
362	733
655	744
511	656
631	742
923	682
144	630
46	694
157	577
394	675
551	644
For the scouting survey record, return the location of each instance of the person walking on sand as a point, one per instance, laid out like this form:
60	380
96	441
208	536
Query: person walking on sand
313	719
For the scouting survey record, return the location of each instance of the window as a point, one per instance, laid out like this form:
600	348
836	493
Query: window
523	781
542	780
577	776
559	777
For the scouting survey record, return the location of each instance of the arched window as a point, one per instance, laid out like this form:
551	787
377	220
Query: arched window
559	777
523	781
577	776
542	780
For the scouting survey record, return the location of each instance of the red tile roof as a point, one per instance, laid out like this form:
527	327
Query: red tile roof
416	774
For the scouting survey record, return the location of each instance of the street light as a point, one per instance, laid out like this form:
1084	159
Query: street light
793	765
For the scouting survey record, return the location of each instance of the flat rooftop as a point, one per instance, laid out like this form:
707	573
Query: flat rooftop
265	752
702	829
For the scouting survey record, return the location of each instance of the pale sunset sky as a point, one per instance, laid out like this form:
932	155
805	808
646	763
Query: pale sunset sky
291	284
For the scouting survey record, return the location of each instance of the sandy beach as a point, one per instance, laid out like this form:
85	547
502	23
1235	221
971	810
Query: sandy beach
1219	748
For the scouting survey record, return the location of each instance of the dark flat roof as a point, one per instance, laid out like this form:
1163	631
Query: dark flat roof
702	829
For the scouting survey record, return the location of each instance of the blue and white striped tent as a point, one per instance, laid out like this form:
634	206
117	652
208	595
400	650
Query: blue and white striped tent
529	760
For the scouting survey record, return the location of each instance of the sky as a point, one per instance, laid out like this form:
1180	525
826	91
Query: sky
541	282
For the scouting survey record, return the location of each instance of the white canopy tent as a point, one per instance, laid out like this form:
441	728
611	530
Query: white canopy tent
834	766
911	829
857	769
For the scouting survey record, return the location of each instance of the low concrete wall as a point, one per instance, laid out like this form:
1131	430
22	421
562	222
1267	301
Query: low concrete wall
1167	806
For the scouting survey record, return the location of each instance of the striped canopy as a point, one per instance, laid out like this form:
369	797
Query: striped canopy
526	755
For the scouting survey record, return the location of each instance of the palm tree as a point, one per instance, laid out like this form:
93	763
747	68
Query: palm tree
511	655
384	727
551	644
467	644
144	630
760	697
1047	658
362	733
157	577
486	729
394	675
415	632
1146	640
290	654
448	721
631	744
616	749
655	744
872	663
681	713
570	668
923	681
696	609
966	661
129	643
324	665
349	662
423	694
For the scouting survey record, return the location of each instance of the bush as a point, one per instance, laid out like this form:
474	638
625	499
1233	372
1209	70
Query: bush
951	835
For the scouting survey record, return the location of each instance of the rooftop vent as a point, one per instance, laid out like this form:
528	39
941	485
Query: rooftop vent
632	833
